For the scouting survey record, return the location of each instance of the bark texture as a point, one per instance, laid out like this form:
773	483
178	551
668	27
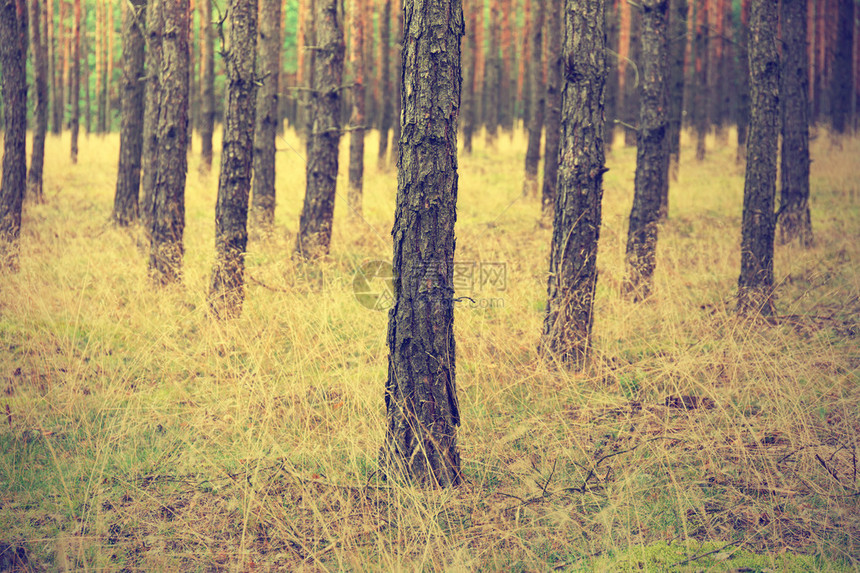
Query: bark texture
314	237
125	206
356	138
13	60
555	78
794	220
168	222
652	150
152	111
40	73
207	86
227	292
755	284
267	112
576	226
538	97
421	393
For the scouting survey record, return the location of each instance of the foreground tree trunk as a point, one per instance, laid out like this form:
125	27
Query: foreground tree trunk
152	111
13	61
125	206
794	220
40	72
576	227
555	80
421	392
651	155
207	86
267	112
356	138
168	222
536	86
227	292
755	284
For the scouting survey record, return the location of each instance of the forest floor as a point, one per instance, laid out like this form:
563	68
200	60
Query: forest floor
137	433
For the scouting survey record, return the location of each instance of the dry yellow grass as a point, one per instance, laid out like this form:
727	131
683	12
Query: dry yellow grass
140	434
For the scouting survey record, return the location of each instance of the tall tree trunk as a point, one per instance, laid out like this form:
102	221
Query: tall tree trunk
75	81
794	220
310	69
538	97
492	75
168	222
397	107
40	69
755	284
101	80
125	206
421	392
356	137
227	292
555	82
62	63
677	49
843	70
743	75
613	70
13	82
506	121
267	113
470	57
110	31
700	105
385	75
576	229
633	81
207	86
85	49
480	66
51	33
651	152
152	110
314	237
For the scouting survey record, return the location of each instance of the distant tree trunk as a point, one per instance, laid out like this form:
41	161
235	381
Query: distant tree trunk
267	113
652	152
470	57
421	392
677	49
555	82
700	105
506	58
538	97
576	229
168	222
633	82
613	69
110	32
492	73
843	70
385	112
102	79
314	237
75	80
85	48
152	113
794	220
743	75
207	86
356	138
227	292
755	284
395	91
310	68
125	206
480	66
40	72
59	77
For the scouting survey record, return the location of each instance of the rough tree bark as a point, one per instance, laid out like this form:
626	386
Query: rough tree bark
13	61
40	72
314	237
651	153
576	228
755	284
168	221
75	81
266	130
677	49
207	86
794	220
421	393
356	137
125	206
227	291
385	74
152	107
555	78
538	98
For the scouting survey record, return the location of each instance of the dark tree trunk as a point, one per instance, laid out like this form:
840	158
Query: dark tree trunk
700	105
207	87
651	153
421	392
613	69
168	222
538	98
356	138
794	220
470	57
385	112
125	206
555	79
267	113
59	77
315	225
755	284
227	292
13	61
677	49
576	228
40	67
843	69
152	107
743	75
633	81
75	81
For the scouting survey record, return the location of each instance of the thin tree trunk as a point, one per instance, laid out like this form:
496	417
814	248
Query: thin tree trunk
267	121
843	70
613	69
356	138
538	96
51	32
85	48
794	220
152	110
677	49
207	61
700	107
40	67
492	78
652	151
62	64
743	75
314	237
125	206
576	229
396	51
470	57
633	82
110	30
75	81
385	76
227	291
755	284
421	393
555	83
